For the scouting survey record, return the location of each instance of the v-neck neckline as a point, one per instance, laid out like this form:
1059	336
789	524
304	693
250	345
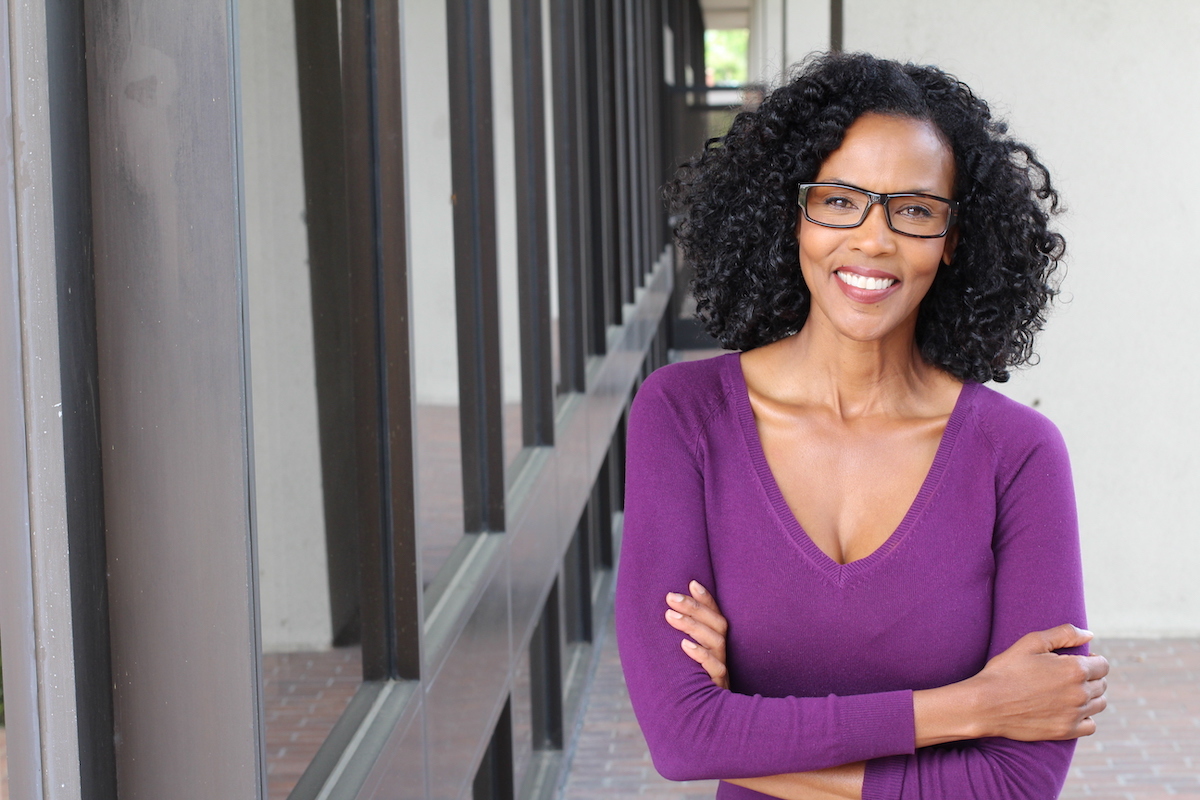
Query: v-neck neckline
840	573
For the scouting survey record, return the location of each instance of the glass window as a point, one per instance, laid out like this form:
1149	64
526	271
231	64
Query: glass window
437	439
301	395
508	214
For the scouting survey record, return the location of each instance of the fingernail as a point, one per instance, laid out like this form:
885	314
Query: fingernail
674	615
697	588
689	644
675	597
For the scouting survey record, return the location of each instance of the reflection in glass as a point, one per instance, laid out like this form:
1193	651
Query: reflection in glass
507	261
301	394
522	720
551	221
3	742
437	439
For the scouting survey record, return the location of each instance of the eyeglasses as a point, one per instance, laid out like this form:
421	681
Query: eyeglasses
911	214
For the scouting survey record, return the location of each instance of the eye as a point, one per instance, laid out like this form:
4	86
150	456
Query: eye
841	202
914	210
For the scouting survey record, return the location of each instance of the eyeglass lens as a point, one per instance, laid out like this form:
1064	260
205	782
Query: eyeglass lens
841	206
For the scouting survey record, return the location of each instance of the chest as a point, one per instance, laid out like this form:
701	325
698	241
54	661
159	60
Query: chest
849	486
915	614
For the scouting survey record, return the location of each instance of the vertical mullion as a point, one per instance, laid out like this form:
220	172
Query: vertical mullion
362	225
583	177
376	251
476	281
836	25
600	302
545	674
577	582
621	139
649	114
323	150
603	166
610	162
405	602
494	777
633	120
566	172
659	111
639	38
532	239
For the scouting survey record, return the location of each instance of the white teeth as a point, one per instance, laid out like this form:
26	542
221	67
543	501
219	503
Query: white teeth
862	282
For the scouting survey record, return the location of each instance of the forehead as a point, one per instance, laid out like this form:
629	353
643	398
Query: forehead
892	154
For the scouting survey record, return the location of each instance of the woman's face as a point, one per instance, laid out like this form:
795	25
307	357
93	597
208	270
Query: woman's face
882	154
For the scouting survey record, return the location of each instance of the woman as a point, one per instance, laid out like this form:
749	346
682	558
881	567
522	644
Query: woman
894	546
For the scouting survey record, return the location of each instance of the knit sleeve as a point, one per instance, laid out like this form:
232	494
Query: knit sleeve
1038	585
695	730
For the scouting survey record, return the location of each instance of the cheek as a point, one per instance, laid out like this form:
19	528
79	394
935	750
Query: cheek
814	242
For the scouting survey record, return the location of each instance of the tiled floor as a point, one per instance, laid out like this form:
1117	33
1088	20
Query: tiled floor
304	694
1148	745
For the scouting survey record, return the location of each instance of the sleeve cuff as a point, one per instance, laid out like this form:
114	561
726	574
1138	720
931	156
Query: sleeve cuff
884	778
878	725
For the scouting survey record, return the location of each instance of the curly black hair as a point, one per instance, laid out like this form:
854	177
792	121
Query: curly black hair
737	206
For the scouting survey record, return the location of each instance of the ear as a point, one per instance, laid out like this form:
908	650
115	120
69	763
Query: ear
951	244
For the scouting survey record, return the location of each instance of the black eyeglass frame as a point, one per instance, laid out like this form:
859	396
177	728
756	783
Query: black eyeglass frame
877	198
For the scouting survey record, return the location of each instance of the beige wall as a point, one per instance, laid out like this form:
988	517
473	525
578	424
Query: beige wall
1109	94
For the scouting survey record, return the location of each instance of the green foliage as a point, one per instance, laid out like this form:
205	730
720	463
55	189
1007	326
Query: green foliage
726	56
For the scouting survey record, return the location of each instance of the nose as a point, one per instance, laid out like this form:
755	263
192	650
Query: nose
873	236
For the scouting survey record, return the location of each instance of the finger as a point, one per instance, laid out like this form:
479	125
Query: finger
704	635
1096	688
703	614
1096	705
1057	638
713	667
1096	666
703	596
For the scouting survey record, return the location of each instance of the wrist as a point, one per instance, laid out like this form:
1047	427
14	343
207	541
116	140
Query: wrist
949	714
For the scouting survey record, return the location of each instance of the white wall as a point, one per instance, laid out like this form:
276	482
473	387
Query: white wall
293	582
782	32
430	208
1109	94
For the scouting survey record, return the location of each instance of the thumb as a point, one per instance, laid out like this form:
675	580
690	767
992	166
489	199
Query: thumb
1058	638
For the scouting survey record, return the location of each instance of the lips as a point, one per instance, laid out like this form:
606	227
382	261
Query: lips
866	285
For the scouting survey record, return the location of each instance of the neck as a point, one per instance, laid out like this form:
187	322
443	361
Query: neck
856	378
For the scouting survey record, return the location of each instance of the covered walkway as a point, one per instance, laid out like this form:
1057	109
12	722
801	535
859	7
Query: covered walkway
1148	745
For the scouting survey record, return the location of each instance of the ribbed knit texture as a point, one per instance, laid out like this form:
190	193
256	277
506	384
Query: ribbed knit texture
824	657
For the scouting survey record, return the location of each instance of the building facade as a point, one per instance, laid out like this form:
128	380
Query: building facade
318	324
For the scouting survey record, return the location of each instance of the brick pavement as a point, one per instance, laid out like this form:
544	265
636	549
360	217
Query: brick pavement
303	696
1148	745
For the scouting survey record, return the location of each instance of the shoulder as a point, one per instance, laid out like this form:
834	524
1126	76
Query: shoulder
1015	432
686	395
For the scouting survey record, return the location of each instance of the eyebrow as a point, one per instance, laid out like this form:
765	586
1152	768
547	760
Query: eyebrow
930	192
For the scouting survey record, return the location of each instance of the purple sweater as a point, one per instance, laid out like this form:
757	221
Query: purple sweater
824	657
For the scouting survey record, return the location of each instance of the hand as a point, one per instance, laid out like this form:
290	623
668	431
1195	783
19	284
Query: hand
699	617
1030	693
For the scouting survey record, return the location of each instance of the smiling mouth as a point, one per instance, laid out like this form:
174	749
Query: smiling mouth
863	282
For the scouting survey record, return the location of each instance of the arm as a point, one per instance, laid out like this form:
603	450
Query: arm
1026	692
694	729
1038	585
